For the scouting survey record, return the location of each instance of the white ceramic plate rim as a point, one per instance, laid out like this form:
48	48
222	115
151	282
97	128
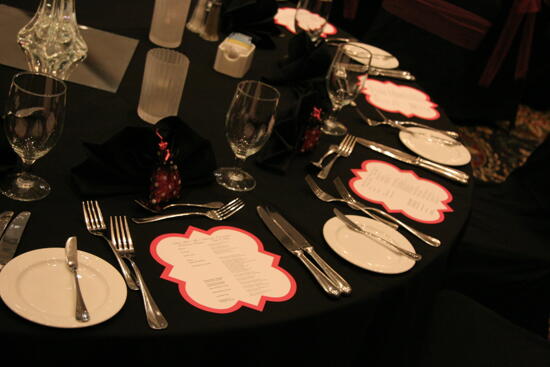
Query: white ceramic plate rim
357	252
13	296
449	155
390	63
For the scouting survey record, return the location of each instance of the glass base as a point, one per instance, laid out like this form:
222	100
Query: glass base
24	187
234	178
333	127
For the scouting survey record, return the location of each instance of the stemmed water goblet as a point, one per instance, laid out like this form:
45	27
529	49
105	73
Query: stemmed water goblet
345	79
33	123
248	125
311	17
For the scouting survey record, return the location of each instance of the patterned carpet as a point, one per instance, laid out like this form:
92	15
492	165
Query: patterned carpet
498	151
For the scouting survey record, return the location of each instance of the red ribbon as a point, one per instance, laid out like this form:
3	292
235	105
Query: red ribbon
521	10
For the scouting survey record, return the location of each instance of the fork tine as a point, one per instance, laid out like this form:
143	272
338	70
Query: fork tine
236	205
101	221
86	216
128	234
112	231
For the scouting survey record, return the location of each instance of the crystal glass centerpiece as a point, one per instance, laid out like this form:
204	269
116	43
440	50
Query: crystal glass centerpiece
52	41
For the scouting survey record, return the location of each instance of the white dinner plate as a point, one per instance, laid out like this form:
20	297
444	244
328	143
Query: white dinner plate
455	155
380	58
39	287
365	252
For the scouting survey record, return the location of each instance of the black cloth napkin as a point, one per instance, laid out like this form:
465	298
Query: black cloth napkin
125	162
253	18
296	132
304	60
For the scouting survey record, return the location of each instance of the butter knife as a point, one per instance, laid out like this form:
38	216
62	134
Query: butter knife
328	286
391	73
299	240
71	253
11	237
440	169
5	218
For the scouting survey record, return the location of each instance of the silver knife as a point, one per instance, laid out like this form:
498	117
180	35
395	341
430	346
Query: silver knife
71	253
5	218
303	244
391	73
11	237
440	169
327	285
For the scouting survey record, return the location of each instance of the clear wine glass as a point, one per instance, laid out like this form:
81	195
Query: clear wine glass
248	125
345	79
33	123
311	17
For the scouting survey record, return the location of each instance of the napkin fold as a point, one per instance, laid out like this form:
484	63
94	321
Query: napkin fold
253	18
296	132
304	60
125	162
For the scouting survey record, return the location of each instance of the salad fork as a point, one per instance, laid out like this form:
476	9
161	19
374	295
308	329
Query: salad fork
160	209
95	224
344	150
432	241
331	150
122	240
326	197
216	214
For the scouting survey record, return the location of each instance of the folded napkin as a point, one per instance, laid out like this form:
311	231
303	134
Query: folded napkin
125	163
304	60
297	132
253	18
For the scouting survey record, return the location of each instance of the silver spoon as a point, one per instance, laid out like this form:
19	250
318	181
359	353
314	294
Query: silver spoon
211	205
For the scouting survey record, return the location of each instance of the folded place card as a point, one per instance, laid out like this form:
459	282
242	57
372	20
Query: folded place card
402	99
401	191
285	18
222	269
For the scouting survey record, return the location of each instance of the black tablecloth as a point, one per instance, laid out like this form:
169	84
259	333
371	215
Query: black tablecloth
380	322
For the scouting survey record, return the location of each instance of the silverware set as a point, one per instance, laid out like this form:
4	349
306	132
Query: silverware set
119	239
331	282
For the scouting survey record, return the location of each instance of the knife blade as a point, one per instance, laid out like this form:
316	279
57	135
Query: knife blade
328	286
391	73
301	242
5	218
71	254
11	237
441	170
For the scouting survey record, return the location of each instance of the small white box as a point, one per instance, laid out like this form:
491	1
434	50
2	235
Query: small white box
234	56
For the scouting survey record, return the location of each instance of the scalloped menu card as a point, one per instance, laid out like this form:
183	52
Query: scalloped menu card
222	269
401	191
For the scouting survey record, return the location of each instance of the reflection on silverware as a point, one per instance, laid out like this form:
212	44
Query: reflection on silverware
95	224
432	241
160	209
331	150
391	73
71	255
216	214
326	197
122	240
355	227
345	148
12	235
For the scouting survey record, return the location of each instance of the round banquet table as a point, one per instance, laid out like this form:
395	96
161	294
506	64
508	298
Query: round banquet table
381	322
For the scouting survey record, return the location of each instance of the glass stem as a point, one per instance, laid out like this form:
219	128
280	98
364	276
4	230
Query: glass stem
333	112
26	166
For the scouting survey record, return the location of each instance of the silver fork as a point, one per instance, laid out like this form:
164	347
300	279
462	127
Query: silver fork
432	241
403	124
217	214
95	224
326	197
333	148
122	239
344	150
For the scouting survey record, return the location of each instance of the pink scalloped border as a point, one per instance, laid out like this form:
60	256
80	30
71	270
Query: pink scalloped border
333	30
239	304
368	98
363	168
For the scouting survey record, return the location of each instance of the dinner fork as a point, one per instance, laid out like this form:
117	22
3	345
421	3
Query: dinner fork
122	239
216	214
333	148
326	197
344	150
432	241
385	121
95	224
